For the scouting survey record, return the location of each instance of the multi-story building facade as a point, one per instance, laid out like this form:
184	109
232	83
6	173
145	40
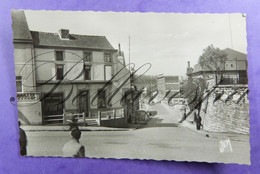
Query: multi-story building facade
58	73
234	69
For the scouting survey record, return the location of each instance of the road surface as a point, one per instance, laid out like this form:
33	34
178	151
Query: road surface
160	139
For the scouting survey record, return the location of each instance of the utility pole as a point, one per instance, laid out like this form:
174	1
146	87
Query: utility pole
129	54
231	39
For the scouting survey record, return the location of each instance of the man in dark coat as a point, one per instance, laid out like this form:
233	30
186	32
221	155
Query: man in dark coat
22	141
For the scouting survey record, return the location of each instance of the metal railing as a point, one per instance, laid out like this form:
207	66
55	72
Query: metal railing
229	81
115	113
28	96
79	117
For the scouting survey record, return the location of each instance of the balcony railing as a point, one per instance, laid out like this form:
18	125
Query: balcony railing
28	96
229	81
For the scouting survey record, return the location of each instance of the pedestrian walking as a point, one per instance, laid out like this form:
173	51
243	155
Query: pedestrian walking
198	122
22	140
73	148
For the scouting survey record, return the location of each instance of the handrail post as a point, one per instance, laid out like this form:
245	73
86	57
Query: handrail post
64	116
114	113
99	118
84	117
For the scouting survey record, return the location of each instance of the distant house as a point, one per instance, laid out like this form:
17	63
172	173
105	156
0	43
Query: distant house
167	83
234	69
59	73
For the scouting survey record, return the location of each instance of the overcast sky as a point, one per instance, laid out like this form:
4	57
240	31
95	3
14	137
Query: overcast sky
166	40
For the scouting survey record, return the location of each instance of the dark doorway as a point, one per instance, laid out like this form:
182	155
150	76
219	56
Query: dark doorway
53	109
52	105
84	102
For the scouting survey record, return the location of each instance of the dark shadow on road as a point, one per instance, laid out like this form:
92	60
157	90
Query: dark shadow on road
156	122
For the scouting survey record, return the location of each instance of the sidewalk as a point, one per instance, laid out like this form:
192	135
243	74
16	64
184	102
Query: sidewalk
129	127
66	128
218	135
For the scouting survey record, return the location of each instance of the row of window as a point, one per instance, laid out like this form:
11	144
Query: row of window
87	72
231	65
60	74
87	56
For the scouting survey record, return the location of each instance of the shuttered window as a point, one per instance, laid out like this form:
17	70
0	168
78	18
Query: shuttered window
101	98
87	72
59	71
19	86
108	57
87	57
59	55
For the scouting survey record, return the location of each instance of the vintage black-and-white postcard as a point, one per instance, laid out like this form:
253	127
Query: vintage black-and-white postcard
162	86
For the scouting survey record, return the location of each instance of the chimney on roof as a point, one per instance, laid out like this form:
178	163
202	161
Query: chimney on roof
120	55
119	49
189	69
64	33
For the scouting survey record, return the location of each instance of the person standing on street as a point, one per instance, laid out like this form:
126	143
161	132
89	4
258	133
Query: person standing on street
22	140
198	119
73	148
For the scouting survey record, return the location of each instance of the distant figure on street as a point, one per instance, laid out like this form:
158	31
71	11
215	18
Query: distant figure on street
73	124
73	148
198	119
22	140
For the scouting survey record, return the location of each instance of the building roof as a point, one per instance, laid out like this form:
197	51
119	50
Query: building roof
20	27
232	55
21	33
74	41
198	68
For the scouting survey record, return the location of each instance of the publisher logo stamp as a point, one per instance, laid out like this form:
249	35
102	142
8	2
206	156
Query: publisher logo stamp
225	146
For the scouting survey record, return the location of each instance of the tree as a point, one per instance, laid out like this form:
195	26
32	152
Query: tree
193	91
213	59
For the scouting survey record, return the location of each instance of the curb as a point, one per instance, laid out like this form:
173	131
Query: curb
209	134
66	128
188	125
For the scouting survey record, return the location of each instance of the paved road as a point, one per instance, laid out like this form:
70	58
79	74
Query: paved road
160	139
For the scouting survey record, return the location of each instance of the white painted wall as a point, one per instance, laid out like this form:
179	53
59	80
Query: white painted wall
46	64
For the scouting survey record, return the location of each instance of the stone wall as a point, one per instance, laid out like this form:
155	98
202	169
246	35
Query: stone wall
226	115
